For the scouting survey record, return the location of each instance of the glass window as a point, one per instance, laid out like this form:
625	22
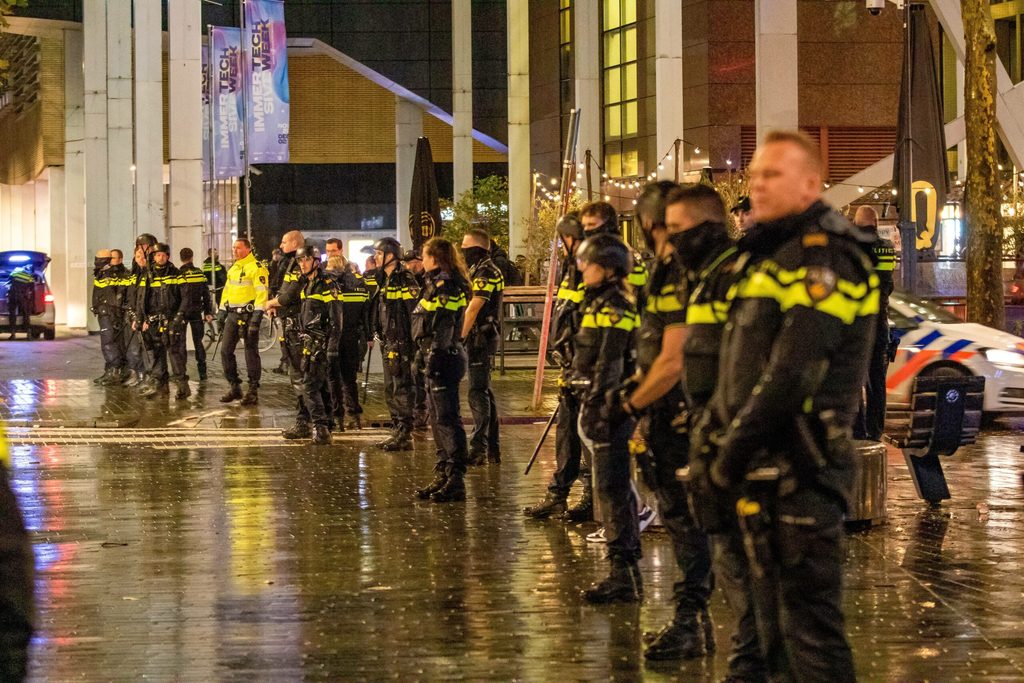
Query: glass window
611	14
612	86
613	163
630	163
629	82
620	85
612	49
613	121
629	53
628	12
629	125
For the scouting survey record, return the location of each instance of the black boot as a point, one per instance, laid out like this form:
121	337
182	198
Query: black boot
299	430
401	442
155	388
553	505
454	489
476	459
388	439
321	436
117	376
252	396
433	487
354	422
619	586
583	511
234	393
104	378
183	391
133	379
202	372
682	638
493	457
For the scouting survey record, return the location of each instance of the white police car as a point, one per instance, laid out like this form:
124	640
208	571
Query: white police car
934	342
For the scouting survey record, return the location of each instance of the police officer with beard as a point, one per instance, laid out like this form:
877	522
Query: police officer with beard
319	324
794	357
107	292
481	330
437	326
604	358
699	238
397	294
565	323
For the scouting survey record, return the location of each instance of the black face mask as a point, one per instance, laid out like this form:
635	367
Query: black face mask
101	263
692	245
474	255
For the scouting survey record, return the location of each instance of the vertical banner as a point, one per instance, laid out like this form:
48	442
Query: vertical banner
206	113
424	204
226	84
267	74
921	137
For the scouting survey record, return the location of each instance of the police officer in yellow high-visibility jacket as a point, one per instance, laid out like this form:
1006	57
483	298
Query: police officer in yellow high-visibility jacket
16	579
242	303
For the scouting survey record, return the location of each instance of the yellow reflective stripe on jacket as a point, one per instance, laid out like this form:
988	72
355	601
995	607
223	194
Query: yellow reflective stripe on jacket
192	279
246	284
488	284
788	288
567	293
291	277
638	277
454	303
886	258
106	282
326	298
395	293
354	297
5	453
609	317
713	313
664	301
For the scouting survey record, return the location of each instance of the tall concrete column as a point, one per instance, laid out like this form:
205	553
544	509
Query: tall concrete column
58	277
408	129
775	54
462	95
520	172
668	76
6	223
120	133
76	213
587	72
961	107
149	118
42	210
185	88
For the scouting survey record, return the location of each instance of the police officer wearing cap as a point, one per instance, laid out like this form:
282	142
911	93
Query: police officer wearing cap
871	420
196	306
565	323
108	277
437	324
481	330
742	218
318	328
699	236
601	217
604	358
243	303
159	299
794	356
398	291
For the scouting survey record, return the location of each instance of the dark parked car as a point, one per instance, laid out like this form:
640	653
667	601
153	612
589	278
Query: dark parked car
43	318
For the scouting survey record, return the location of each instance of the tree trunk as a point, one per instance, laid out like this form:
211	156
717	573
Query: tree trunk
983	195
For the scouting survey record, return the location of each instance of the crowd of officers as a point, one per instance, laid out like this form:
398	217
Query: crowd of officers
734	377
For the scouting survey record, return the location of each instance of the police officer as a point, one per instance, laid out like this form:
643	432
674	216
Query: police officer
437	329
17	599
215	273
698	218
319	325
420	419
793	359
604	358
352	348
285	287
601	217
481	330
108	277
742	218
21	289
134	350
565	322
196	306
871	420
159	301
397	294
243	304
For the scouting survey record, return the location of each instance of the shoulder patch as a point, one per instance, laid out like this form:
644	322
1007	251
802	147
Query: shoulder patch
815	239
820	283
414	290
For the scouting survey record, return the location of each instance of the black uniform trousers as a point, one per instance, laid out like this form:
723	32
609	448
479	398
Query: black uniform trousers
111	343
484	437
669	452
445	415
420	407
616	496
345	376
197	328
165	345
571	462
871	419
19	302
16	586
398	384
732	575
136	354
798	600
239	326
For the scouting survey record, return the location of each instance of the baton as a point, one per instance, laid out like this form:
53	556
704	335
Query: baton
366	376
543	437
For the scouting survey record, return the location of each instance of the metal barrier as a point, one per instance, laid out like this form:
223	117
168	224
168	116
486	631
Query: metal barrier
945	413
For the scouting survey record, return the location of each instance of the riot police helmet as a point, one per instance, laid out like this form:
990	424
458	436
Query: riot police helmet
307	251
608	252
162	248
145	240
569	225
650	205
389	245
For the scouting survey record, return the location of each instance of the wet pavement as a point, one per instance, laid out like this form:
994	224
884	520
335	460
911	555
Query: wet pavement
192	543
